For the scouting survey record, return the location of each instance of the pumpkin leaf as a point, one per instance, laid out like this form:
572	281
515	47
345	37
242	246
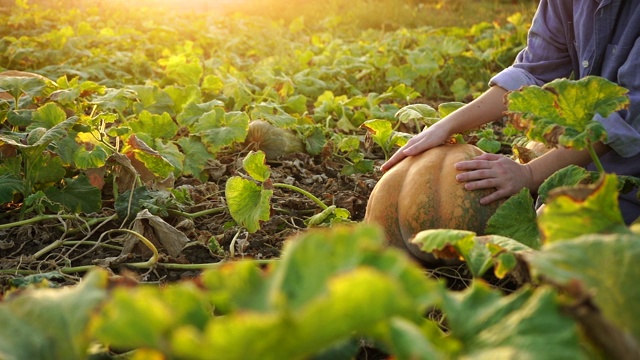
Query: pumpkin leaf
580	210
142	316
10	185
447	108
489	145
384	135
421	112
490	325
516	219
77	195
315	295
568	176
51	323
255	165
156	126
562	112
479	252
248	203
218	128
603	267
18	85
195	157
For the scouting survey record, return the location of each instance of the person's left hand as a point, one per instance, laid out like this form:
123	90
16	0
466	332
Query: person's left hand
492	171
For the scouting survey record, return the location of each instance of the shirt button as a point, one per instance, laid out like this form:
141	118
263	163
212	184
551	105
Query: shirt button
585	64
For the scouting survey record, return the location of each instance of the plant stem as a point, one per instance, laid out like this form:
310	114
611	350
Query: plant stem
303	192
141	265
595	158
36	219
54	245
194	215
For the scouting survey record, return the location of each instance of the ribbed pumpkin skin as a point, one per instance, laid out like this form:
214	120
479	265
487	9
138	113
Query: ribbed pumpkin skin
421	192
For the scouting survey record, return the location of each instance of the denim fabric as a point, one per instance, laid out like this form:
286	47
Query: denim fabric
576	38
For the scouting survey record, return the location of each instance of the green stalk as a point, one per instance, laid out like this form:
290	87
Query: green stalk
595	158
194	215
303	192
36	219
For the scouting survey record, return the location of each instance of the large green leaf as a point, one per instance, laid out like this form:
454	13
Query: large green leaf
77	195
18	85
604	267
195	157
146	316
308	303
87	159
44	169
562	112
322	322
48	116
479	252
218	128
524	325
51	323
157	126
183	95
185	71
417	112
569	176
192	112
315	295
516	218
582	210
9	186
384	135
248	203
55	133
151	99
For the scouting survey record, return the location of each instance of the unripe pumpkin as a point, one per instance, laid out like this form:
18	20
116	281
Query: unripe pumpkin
272	140
421	192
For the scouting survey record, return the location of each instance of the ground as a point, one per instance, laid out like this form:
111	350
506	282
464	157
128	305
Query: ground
210	236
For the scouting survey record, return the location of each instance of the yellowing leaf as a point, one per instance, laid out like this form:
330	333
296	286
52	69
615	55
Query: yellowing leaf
563	111
254	164
248	203
582	210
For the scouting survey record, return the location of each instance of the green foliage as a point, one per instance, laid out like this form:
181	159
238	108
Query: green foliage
248	202
594	207
517	219
563	112
139	104
583	265
51	323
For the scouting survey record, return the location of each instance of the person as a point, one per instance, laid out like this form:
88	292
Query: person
567	39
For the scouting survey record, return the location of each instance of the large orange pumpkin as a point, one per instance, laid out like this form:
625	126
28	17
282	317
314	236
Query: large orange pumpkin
421	192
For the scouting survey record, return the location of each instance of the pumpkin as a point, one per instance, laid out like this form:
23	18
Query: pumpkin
272	140
421	192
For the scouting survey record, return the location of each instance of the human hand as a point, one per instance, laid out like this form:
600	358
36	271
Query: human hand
493	171
427	139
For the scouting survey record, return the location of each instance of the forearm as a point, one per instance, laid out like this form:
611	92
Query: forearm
544	166
487	108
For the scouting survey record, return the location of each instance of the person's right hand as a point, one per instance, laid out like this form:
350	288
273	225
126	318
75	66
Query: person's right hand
431	137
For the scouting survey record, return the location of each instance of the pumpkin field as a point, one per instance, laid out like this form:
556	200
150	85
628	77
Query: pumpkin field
194	183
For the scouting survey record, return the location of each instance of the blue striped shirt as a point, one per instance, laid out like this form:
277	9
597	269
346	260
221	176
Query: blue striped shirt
589	37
